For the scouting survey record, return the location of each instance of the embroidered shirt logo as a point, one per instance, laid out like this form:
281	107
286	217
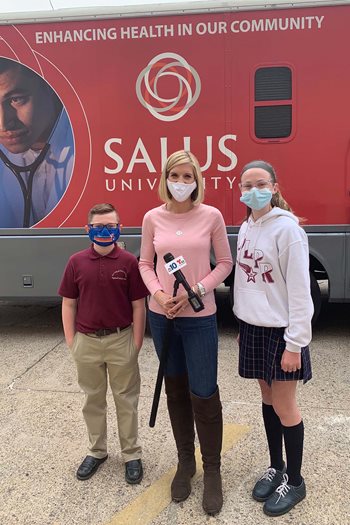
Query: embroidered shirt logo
119	274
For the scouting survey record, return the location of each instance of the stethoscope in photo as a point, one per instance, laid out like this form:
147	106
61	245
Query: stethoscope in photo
26	189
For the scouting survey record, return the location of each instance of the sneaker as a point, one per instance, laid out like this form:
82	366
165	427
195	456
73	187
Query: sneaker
268	483
284	498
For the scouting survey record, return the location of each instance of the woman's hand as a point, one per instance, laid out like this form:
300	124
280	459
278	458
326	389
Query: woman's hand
166	301
172	306
291	361
177	305
162	299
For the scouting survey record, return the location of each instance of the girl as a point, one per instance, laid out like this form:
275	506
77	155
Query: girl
273	304
185	226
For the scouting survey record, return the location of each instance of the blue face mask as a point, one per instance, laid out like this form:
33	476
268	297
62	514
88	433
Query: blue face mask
256	199
109	235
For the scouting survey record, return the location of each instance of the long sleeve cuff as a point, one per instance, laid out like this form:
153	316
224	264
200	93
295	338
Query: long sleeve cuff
291	347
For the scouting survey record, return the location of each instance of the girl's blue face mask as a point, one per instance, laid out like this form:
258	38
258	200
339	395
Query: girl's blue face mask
103	235
256	199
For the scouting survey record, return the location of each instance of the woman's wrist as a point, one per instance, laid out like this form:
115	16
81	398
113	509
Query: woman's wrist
159	297
201	289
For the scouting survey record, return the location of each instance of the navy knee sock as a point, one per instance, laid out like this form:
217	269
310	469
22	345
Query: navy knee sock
273	429
294	442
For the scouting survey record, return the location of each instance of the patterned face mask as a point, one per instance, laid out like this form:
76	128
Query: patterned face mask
103	236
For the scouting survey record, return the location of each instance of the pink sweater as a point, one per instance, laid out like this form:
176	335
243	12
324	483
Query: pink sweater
190	234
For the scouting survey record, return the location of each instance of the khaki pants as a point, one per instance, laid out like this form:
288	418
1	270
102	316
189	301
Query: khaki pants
94	357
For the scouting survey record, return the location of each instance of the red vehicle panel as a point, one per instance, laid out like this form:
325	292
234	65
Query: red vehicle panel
231	86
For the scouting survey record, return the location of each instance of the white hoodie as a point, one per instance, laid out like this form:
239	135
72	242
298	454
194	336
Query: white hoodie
272	282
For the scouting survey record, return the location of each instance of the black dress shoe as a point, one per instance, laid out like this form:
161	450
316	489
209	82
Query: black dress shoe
284	498
89	467
268	483
133	471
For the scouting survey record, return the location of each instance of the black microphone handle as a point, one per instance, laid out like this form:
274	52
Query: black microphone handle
194	299
182	280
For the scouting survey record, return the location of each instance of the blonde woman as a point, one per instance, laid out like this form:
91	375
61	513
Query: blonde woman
185	226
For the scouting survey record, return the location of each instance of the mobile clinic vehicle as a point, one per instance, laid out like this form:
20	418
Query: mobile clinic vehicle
232	81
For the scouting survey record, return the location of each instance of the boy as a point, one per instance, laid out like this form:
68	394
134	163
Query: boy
103	315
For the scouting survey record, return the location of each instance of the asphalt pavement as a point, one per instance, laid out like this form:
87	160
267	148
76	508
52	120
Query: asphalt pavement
43	434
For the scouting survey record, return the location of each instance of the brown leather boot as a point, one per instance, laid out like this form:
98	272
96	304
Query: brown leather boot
208	417
181	418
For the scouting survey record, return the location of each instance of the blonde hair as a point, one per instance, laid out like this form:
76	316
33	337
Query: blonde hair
176	159
277	198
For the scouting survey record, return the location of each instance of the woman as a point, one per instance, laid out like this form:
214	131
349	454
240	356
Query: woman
185	226
273	303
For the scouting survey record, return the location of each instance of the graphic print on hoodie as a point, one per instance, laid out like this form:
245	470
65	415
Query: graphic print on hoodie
272	282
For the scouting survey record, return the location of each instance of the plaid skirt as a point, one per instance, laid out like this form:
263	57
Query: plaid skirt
260	354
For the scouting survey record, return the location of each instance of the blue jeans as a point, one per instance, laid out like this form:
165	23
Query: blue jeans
193	349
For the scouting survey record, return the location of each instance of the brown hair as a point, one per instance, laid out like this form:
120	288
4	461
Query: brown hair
277	198
101	209
175	159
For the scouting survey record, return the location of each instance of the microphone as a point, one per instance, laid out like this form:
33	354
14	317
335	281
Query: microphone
193	298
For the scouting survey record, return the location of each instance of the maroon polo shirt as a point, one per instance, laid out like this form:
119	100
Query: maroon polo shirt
105	286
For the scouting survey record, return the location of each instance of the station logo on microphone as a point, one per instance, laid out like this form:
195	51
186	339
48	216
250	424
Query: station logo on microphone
175	265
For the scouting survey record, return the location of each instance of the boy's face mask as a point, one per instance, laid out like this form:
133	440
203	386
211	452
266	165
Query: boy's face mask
104	234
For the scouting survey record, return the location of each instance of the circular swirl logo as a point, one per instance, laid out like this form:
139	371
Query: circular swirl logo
152	86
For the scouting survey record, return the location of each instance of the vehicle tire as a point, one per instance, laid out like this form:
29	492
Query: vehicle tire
316	297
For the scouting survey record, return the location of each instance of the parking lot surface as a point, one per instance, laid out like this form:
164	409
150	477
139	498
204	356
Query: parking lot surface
43	434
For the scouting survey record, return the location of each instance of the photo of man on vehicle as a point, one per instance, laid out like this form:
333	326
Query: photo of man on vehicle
36	146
